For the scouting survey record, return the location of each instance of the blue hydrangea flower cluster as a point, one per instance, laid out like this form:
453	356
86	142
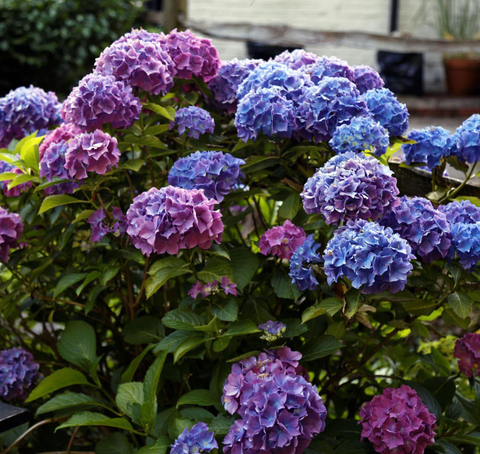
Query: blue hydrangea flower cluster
350	186
302	264
270	74
296	59
198	439
329	67
265	110
425	228
52	165
366	78
194	120
466	140
324	107
372	257
387	110
229	77
362	133
432	144
213	171
18	373
281	410
464	212
272	330
26	110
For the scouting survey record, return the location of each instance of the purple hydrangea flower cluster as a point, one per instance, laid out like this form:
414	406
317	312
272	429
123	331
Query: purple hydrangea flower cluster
117	224
467	351
193	56
98	100
142	35
6	167
289	82
229	77
362	133
282	240
18	373
432	144
366	78
26	110
350	186
398	422
198	439
329	67
62	134
297	59
324	107
372	257
213	288
91	152
139	63
265	110
281	411
425	228
52	165
272	330
466	140
387	110
213	171
170	219
195	120
302	264
464	212
11	229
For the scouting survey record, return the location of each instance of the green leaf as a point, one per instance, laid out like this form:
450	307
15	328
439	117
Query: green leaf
163	270
109	274
282	285
29	152
244	264
150	386
159	447
221	344
445	447
143	330
420	306
20	179
127	395
53	201
320	347
68	281
201	397
166	112
294	328
427	398
460	303
449	316
85	214
225	309
129	373
221	424
7	176
87	418
196	413
57	380
174	340
328	306
256	163
242	327
115	443
134	164
290	206
187	346
91	277
215	269
182	319
220	250
65	401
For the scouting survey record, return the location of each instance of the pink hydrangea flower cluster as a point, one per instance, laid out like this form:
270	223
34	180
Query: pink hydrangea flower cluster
282	240
467	351
11	228
62	134
91	152
398	422
212	288
170	219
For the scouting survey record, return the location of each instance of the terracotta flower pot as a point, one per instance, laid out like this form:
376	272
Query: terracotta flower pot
463	76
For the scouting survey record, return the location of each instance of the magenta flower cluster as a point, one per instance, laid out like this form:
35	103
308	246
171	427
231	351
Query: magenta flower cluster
398	422
91	152
6	167
170	219
193	120
196	440
11	228
62	134
18	373
467	351
213	288
282	240
350	186
101	224
281	411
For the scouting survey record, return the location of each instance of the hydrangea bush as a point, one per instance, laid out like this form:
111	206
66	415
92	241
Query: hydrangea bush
205	256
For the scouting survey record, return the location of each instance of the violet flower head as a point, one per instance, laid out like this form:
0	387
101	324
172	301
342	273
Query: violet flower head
26	110
119	226
386	109
142	35
466	140
398	422
265	111
324	107
297	59
198	439
213	288
432	145
6	167
282	240
362	133
464	212
142	64
467	351
303	263
192	56
99	229
98	100
170	219
11	228
372	257
194	120
281	411
91	152
52	165
213	171
366	78
100	224
272	330
350	186
62	134
425	228
329	67
225	84
18	372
